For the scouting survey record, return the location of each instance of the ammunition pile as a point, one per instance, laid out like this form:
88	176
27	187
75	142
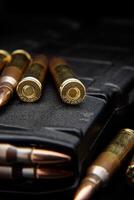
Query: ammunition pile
22	162
26	75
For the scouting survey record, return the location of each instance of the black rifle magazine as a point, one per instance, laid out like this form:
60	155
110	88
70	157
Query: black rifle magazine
71	129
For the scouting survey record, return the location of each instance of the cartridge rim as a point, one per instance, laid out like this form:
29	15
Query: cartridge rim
21	51
29	89
72	91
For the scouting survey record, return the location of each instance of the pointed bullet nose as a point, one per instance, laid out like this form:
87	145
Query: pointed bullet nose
85	191
5	94
49	157
51	173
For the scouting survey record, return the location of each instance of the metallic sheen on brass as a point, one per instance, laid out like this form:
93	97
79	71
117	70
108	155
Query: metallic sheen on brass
130	172
9	172
5	58
12	74
106	164
29	88
71	90
29	155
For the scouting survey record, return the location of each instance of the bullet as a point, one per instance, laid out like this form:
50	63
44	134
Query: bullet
46	173
71	89
5	58
12	73
130	172
9	172
11	154
106	164
29	88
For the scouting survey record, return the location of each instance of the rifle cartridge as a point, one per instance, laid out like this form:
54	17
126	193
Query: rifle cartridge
5	58
12	73
106	164
29	88
71	89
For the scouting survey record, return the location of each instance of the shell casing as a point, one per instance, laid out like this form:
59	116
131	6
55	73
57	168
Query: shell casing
110	160
5	58
30	87
12	73
11	172
71	89
106	164
130	172
10	154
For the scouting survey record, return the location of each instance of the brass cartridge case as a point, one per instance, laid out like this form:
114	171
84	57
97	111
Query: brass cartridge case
46	173
12	172
5	58
12	73
106	164
130	172
29	88
71	89
10	154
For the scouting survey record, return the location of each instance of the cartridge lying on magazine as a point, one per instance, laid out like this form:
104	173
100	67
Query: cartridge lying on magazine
71	89
12	154
12	74
29	88
106	164
8	172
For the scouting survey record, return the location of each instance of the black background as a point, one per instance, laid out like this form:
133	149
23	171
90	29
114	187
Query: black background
76	31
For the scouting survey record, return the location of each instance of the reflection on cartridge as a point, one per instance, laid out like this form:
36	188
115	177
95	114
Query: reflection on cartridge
71	89
9	172
12	154
106	164
5	58
12	74
29	88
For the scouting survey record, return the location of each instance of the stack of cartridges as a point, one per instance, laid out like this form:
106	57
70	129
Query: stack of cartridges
33	163
26	74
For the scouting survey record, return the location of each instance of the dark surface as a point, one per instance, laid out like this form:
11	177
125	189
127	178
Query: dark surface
109	44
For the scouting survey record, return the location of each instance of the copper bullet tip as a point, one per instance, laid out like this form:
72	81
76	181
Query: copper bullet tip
5	94
86	190
51	173
10	172
46	156
85	193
